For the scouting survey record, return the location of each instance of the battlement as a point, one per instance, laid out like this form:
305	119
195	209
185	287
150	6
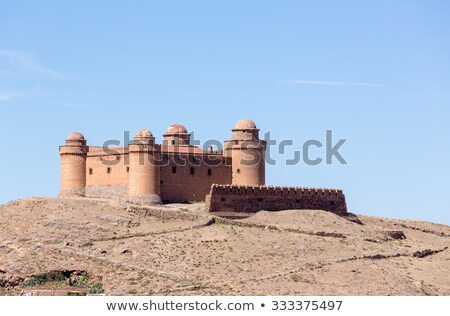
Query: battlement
250	199
275	190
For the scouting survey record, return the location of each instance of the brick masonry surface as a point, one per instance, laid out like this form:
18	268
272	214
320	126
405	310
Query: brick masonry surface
251	199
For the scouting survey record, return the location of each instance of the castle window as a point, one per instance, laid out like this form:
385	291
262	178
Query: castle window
260	199
161	182
238	171
192	171
297	201
174	169
108	170
91	171
332	202
209	172
222	199
128	169
173	141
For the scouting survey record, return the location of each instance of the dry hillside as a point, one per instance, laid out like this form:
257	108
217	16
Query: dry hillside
94	246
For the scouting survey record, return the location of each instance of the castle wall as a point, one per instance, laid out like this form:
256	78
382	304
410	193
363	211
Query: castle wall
103	183
251	199
181	186
192	177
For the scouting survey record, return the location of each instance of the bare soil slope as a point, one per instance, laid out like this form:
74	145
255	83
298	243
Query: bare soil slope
181	250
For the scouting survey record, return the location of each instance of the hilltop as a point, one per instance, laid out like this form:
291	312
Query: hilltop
120	248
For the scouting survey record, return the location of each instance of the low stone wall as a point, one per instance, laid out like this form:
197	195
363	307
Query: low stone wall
251	199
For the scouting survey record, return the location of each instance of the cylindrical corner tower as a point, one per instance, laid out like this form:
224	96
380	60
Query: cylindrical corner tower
248	154
144	176
73	166
176	135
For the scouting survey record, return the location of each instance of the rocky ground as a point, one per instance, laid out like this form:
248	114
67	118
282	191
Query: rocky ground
116	248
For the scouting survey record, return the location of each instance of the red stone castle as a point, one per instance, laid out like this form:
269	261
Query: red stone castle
176	171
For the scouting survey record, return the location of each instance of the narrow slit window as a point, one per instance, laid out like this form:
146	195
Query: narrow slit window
174	169
108	170
192	171
238	171
91	172
209	172
128	169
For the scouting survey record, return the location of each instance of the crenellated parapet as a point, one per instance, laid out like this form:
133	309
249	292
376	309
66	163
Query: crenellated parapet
250	199
275	190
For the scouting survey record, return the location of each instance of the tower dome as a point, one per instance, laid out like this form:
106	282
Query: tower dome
245	124
75	136
144	136
245	130
176	135
176	129
143	133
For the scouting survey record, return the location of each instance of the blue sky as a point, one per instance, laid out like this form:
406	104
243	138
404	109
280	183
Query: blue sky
375	72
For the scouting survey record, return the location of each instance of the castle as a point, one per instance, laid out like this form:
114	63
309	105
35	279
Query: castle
147	173
174	171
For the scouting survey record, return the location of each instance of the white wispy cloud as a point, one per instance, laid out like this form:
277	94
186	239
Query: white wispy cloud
331	83
26	62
